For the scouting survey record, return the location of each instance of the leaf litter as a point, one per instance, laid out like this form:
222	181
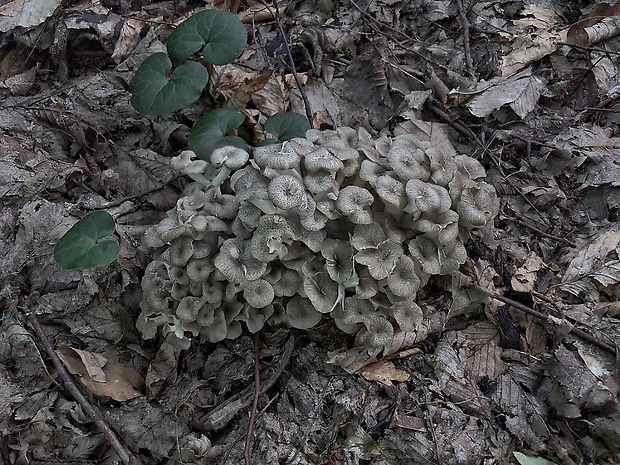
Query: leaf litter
473	384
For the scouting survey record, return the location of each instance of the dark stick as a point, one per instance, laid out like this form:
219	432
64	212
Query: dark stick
524	308
248	438
70	385
465	25
276	17
541	232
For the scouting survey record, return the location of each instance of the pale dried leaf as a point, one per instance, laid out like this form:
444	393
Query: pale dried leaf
383	372
25	13
525	413
410	422
521	92
595	262
525	277
101	376
527	50
163	368
455	384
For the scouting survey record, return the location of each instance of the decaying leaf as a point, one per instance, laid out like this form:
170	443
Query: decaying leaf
101	376
383	372
597	264
525	413
526	276
521	92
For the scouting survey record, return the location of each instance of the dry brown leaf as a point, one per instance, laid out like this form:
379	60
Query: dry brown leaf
525	277
409	422
274	96
25	13
101	376
600	23
528	49
383	372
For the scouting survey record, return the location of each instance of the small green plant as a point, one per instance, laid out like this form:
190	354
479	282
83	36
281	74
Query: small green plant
209	132
81	247
286	126
159	88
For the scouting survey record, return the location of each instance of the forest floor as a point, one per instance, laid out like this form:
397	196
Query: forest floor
530	89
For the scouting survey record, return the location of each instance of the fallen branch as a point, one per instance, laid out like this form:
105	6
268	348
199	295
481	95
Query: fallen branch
248	439
465	25
304	97
221	415
70	385
550	319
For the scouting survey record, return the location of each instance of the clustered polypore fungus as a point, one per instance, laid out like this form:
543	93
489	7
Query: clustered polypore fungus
336	225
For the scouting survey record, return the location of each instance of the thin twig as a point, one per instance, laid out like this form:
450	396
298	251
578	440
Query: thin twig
70	385
465	25
524	308
248	438
431	426
304	97
397	42
541	232
221	415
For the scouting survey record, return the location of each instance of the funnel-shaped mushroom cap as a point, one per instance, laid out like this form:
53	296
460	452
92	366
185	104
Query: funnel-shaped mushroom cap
286	192
301	314
381	260
258	293
403	281
354	202
409	162
379	333
322	291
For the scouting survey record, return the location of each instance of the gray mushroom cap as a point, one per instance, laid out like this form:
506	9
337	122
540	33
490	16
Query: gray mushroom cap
339	261
322	291
229	260
186	164
404	281
443	166
478	205
425	252
230	156
227	159
407	313
409	162
354	202
258	293
301	314
255	318
379	333
286	192
321	159
392	192
381	260
277	156
188	308
320	181
426	198
181	250
367	236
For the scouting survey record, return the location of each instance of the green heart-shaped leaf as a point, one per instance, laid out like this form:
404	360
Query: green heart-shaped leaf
155	93
221	33
80	248
287	125
209	132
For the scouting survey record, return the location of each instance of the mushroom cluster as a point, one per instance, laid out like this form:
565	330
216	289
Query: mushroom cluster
335	225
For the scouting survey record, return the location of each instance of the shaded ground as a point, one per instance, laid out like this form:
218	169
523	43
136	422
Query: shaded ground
528	89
